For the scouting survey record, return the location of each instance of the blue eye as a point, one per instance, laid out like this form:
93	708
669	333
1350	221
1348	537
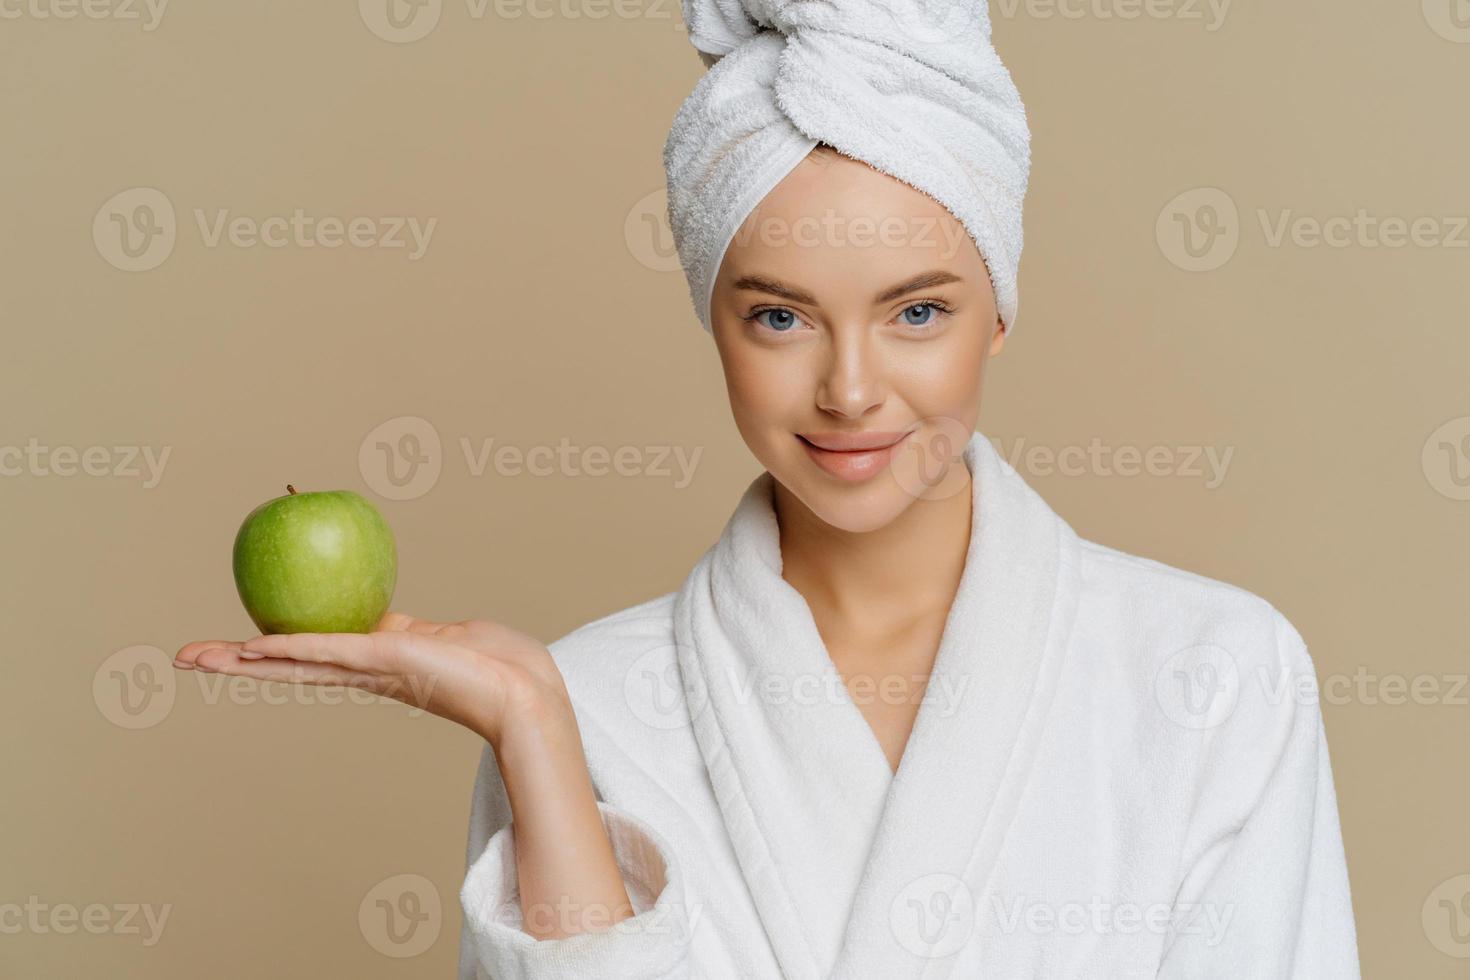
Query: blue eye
780	320
923	317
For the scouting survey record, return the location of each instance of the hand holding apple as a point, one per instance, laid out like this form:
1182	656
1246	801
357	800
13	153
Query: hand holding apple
477	673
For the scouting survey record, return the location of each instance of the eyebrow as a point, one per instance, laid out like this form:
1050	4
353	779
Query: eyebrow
924	280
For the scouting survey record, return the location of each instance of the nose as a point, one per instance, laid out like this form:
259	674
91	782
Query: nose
852	382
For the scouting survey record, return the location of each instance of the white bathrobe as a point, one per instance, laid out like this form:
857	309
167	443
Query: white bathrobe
1119	770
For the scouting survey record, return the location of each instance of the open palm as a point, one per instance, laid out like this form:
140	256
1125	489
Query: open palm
476	673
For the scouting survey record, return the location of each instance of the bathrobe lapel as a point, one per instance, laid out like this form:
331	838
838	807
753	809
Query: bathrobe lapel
798	775
857	872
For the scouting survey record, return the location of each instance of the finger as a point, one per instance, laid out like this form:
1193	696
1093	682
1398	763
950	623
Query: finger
190	652
224	661
384	652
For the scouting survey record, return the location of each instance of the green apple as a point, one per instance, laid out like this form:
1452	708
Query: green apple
321	562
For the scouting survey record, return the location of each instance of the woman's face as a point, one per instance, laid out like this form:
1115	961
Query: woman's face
853	310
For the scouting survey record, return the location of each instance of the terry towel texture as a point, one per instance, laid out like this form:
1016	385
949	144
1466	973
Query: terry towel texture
914	88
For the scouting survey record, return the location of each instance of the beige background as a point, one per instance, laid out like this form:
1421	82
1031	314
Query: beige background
545	308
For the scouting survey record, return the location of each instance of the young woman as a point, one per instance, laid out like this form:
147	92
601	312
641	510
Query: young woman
899	721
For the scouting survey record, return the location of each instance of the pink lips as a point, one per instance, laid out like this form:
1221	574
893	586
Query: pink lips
852	456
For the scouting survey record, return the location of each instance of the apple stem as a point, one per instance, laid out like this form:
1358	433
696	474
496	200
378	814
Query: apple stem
290	489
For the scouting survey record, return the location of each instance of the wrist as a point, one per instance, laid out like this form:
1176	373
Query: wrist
537	733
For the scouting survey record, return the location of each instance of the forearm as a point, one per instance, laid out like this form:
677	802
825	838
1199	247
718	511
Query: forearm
568	877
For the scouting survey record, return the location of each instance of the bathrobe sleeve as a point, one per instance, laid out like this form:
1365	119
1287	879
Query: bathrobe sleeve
652	945
1265	888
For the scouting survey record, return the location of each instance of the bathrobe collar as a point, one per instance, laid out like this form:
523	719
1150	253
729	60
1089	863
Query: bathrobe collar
855	871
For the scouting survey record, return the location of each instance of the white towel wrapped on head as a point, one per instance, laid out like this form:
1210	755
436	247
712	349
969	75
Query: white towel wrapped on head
914	88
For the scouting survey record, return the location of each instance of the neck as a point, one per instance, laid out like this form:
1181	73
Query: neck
907	570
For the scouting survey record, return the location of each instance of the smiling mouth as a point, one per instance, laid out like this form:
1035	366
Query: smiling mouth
853	442
853	457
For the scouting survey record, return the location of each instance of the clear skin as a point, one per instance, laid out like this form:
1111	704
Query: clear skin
877	561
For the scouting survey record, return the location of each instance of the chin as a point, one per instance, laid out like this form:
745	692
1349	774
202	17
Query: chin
854	507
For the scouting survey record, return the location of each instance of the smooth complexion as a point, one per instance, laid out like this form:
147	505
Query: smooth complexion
829	333
833	340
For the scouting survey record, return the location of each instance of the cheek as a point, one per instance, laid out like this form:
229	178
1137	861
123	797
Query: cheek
942	377
765	386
